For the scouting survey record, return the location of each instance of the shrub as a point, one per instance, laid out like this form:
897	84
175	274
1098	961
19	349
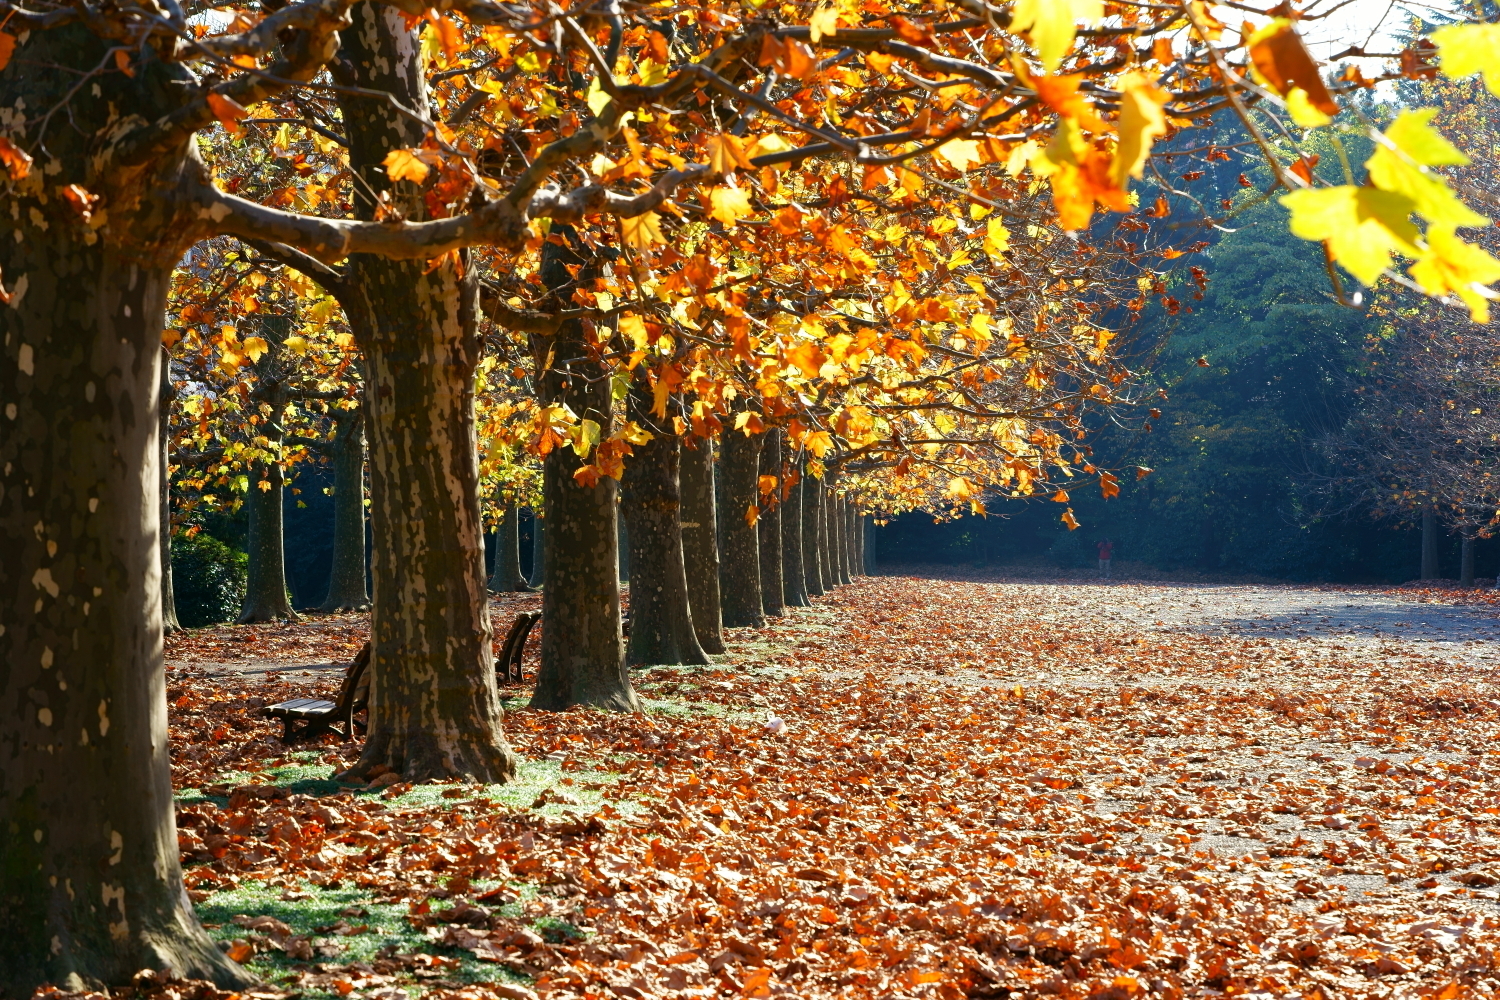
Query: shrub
208	579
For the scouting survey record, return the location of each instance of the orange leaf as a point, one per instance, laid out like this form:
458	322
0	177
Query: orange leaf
1070	520
241	952
752	515
405	165
1280	55
17	161
122	62
7	46
448	34
1061	496
229	111
82	202
808	357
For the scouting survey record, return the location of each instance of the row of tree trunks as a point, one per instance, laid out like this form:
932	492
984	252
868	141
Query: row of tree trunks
700	548
506	576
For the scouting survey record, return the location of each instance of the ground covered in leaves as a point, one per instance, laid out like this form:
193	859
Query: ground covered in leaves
919	788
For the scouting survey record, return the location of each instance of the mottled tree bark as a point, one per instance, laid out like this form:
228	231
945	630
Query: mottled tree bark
538	575
793	575
839	537
624	545
812	536
169	622
661	624
347	589
739	567
506	577
700	544
90	881
772	594
434	712
582	659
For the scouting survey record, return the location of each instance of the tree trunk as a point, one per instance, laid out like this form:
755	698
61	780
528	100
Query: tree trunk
434	709
857	543
90	882
851	535
1429	545
347	590
169	622
661	623
1466	561
812	536
739	571
772	594
265	589
837	543
871	546
506	577
700	544
538	547
582	660
793	576
624	544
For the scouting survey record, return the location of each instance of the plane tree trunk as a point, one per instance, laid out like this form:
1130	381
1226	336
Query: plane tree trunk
266	598
90	881
812	536
435	712
700	544
739	571
347	589
169	622
539	546
793	575
506	576
582	658
772	595
661	623
1429	569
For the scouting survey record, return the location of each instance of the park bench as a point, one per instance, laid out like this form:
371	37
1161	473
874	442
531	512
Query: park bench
508	663
309	718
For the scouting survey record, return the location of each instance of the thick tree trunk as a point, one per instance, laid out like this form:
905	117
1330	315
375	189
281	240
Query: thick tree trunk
169	622
506	577
624	544
347	590
1466	561
538	548
772	592
661	623
90	883
265	589
1429	545
434	709
739	568
812	536
582	659
837	543
700	544
793	576
871	546
856	542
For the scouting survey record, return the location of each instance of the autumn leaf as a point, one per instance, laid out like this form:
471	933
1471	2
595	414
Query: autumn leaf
1051	25
634	327
1068	519
960	154
1280	56
1466	49
1362	226
1061	496
228	111
642	231
405	165
1451	265
752	515
996	237
1141	121
725	153
17	161
808	357
80	200
7	47
255	347
449	36
729	203
824	22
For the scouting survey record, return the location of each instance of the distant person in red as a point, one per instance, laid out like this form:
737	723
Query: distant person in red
1106	551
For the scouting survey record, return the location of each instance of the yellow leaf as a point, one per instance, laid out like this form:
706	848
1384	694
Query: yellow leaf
227	110
597	97
960	154
1413	134
1302	111
642	230
959	488
808	357
819	443
634	433
1451	265
1466	49
768	144
1362	226
405	165
996	237
297	345
1141	121
255	347
1429	193
635	328
825	21
583	436
729	204
1052	24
